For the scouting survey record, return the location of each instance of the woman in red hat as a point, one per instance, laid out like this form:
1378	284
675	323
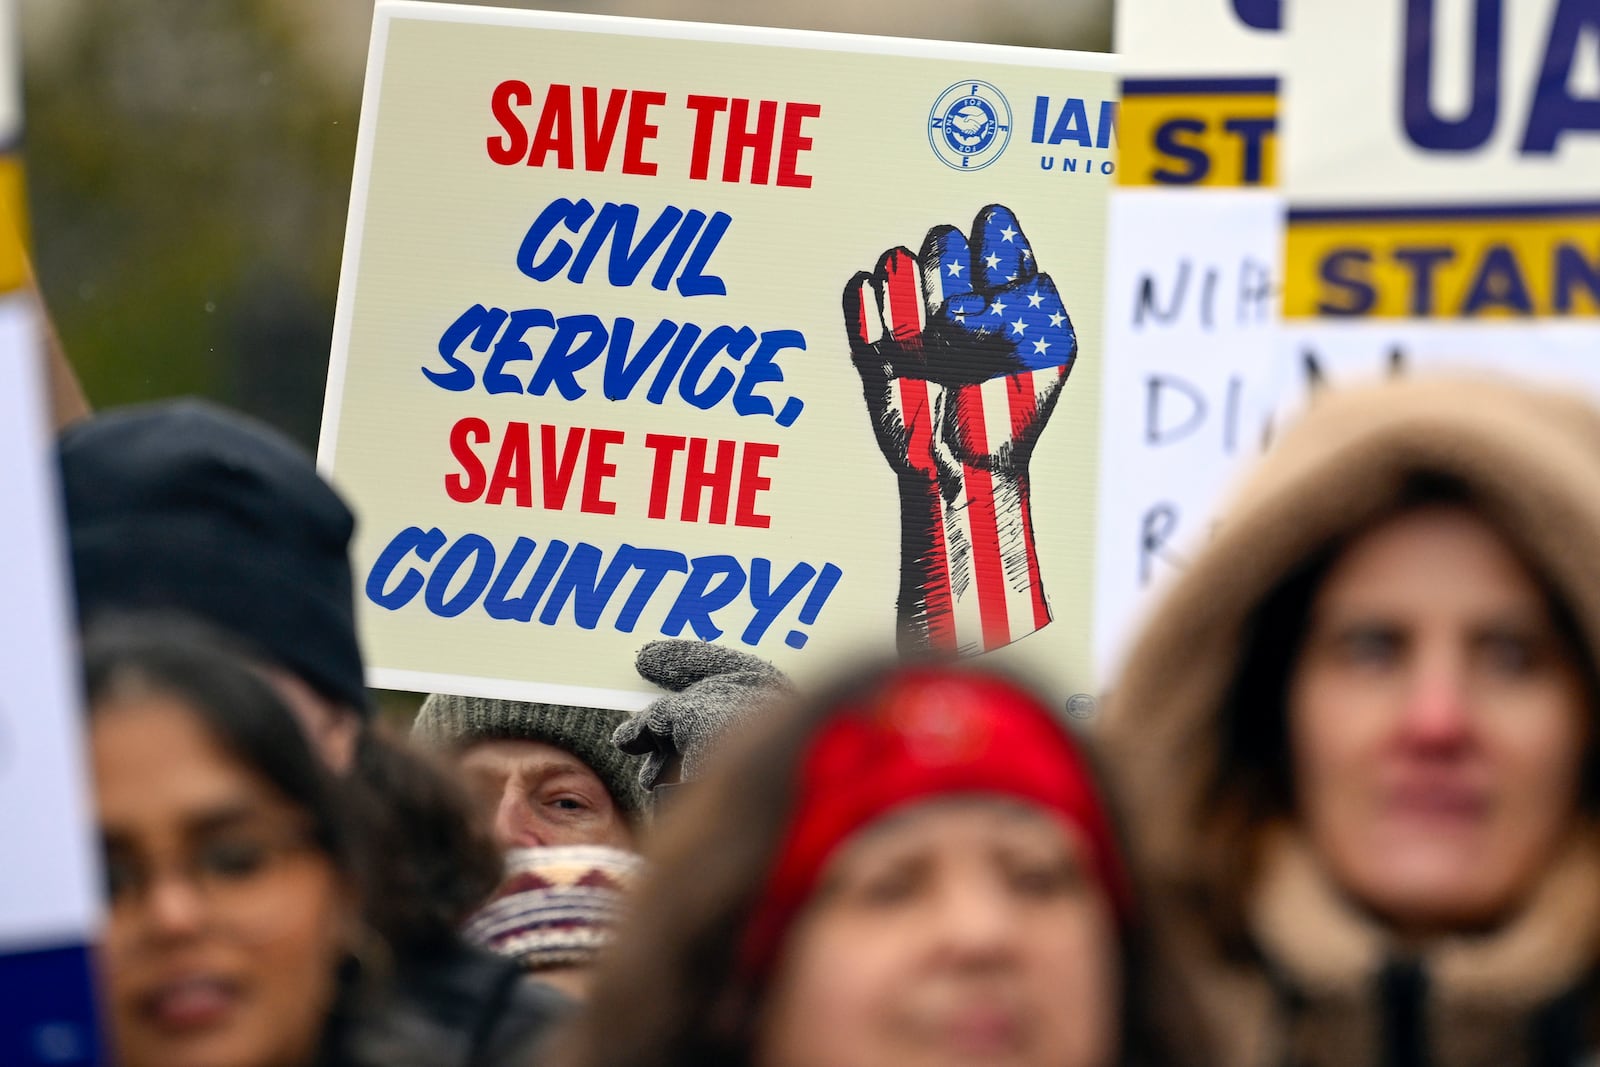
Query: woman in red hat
916	869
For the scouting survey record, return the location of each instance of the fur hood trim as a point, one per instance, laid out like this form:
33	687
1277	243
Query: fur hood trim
1529	457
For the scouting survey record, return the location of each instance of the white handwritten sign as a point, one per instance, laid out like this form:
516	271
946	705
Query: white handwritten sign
1192	330
1195	244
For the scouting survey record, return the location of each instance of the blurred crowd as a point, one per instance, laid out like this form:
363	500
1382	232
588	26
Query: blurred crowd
1338	808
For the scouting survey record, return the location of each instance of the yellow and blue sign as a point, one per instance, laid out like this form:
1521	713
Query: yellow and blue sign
1218	131
1539	259
1443	172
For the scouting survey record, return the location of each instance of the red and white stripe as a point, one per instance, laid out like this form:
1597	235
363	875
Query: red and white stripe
987	592
995	520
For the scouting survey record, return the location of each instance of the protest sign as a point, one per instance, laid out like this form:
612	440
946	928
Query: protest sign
1440	172
1196	231
50	888
50	906
1200	92
785	340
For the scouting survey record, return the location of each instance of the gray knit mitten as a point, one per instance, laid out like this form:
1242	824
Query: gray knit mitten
709	687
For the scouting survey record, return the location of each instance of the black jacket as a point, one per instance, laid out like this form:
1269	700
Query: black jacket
458	1007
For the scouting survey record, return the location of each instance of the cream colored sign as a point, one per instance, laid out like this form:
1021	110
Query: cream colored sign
788	341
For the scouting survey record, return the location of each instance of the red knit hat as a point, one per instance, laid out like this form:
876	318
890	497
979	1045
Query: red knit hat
922	733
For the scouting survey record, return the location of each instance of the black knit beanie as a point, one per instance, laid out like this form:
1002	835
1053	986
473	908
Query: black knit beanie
454	722
182	506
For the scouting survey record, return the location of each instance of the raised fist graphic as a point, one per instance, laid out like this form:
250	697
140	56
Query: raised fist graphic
962	350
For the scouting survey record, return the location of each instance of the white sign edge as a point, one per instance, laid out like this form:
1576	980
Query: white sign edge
354	231
503	689
769	36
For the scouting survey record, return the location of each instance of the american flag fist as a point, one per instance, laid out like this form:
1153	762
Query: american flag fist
962	349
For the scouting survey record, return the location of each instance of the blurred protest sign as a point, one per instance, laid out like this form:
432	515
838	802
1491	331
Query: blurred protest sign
1199	93
1441	178
605	370
49	877
1196	230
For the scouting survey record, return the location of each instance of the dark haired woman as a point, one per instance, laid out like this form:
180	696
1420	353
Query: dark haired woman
232	873
246	884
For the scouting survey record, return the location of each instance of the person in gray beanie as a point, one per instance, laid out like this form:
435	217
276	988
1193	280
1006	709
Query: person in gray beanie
540	774
710	688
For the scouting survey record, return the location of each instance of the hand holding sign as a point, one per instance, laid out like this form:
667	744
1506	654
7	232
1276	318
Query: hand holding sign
962	351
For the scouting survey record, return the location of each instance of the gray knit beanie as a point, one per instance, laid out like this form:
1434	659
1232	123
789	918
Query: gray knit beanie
710	688
454	722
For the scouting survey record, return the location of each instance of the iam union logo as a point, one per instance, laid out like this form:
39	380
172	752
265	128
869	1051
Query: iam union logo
969	125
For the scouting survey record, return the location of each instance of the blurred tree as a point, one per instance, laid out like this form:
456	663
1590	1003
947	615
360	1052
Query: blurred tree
188	182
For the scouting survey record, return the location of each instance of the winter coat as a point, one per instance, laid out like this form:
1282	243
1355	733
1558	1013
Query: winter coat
1323	985
459	1007
1285	970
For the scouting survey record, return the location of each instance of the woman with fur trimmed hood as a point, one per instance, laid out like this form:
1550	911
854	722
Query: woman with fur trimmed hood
1357	740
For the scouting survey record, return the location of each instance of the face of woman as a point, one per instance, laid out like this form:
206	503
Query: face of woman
955	932
1437	724
225	922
